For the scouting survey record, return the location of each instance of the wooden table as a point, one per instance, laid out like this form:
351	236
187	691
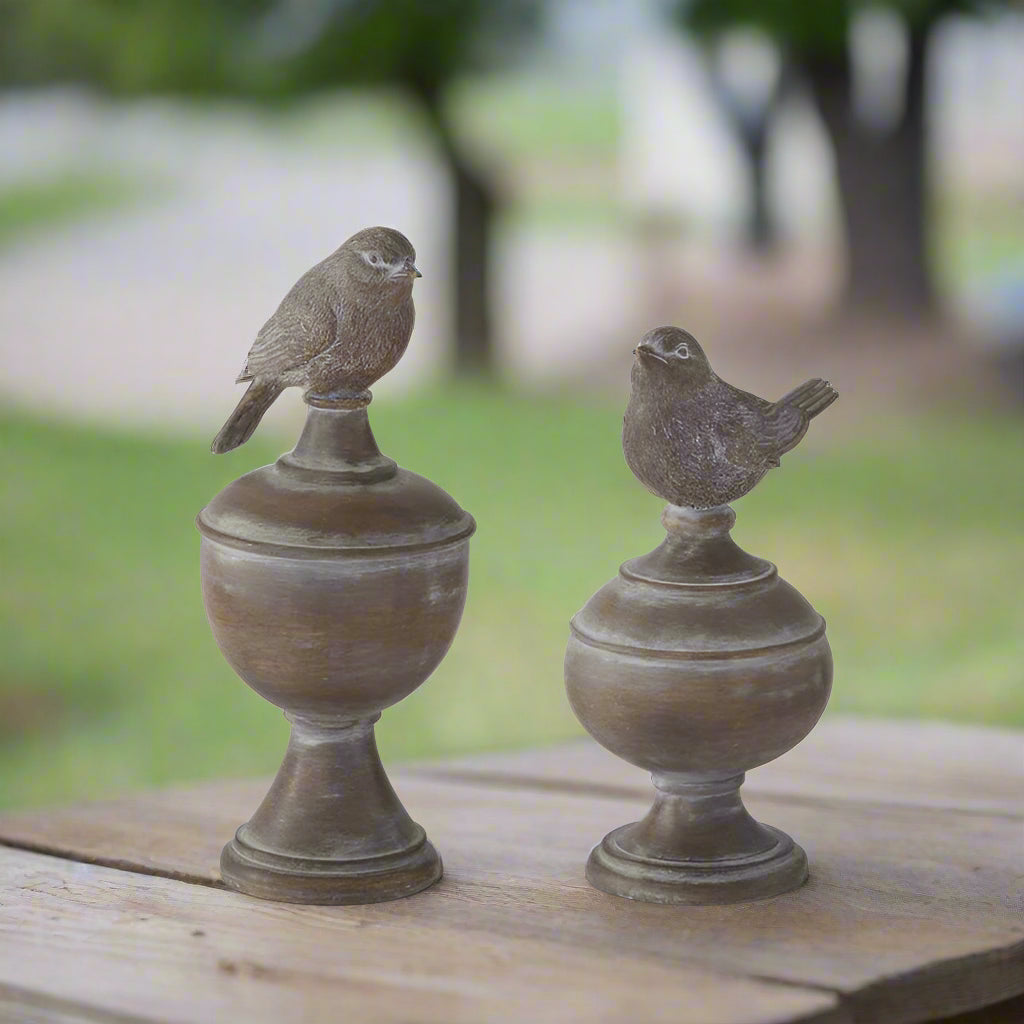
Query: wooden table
915	833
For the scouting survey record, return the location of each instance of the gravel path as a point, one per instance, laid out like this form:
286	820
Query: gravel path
145	316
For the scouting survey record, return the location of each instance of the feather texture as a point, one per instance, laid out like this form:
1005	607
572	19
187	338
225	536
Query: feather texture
694	439
343	325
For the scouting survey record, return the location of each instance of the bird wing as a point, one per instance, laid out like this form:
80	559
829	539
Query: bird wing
753	425
304	325
787	419
781	428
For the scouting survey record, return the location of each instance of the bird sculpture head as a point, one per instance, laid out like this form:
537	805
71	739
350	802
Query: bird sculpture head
380	258
672	355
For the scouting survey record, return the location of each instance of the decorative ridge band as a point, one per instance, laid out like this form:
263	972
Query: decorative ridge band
744	581
313	551
260	855
342	473
657	654
340	400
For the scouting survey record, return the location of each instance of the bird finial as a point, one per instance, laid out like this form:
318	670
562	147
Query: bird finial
697	441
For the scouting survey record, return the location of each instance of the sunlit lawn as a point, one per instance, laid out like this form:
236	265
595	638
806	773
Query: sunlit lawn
30	204
911	547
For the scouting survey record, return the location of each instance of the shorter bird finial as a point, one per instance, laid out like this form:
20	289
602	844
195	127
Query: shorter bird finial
695	440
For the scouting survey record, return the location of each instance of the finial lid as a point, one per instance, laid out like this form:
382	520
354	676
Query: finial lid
334	492
698	594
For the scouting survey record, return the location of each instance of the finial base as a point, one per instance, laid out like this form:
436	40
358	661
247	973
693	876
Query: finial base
331	829
697	845
341	883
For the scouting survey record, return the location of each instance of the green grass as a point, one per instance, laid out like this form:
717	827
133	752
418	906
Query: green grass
32	204
539	116
978	237
507	116
910	546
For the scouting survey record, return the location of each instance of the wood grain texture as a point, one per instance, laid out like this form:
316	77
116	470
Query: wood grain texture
910	913
920	764
108	945
913	911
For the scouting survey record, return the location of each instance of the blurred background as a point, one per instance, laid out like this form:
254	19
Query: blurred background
830	189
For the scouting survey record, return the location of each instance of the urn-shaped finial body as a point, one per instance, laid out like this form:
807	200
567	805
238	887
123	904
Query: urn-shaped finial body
697	663
334	583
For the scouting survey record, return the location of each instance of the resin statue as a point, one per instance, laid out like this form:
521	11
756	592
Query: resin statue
695	440
345	323
334	582
698	662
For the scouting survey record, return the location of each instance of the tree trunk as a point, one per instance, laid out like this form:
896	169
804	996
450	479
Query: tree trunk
751	131
882	188
761	231
475	208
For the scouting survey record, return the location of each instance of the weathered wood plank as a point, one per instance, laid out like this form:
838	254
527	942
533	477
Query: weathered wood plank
157	949
923	764
24	1006
1009	1012
911	913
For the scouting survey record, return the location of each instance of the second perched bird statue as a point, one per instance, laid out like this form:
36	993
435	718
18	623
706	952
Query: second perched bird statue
344	324
695	440
698	661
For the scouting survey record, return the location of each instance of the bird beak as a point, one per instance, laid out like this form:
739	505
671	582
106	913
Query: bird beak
405	270
645	351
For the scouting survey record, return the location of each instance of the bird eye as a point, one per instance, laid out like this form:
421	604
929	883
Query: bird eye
682	351
373	258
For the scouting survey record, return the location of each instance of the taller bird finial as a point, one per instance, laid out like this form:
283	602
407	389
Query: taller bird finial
344	324
695	440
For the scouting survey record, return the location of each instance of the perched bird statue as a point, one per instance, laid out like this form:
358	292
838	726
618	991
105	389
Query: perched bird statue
344	324
695	440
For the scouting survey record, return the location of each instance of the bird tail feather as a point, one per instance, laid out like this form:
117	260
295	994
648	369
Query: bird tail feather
811	397
257	399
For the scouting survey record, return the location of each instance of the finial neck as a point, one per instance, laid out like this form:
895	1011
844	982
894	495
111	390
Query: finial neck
341	400
698	523
337	440
698	551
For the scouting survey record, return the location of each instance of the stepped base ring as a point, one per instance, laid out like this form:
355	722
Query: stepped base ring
770	872
272	876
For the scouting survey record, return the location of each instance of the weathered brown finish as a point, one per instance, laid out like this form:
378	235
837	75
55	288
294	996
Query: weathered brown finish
334	583
343	325
911	912
697	663
695	440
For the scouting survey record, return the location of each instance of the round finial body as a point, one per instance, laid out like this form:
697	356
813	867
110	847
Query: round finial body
697	663
334	583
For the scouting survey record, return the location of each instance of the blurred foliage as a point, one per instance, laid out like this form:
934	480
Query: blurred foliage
260	48
125	46
907	540
421	45
806	27
819	28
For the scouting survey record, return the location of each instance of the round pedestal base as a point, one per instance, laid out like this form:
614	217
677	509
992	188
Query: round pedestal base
735	879
331	829
271	876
